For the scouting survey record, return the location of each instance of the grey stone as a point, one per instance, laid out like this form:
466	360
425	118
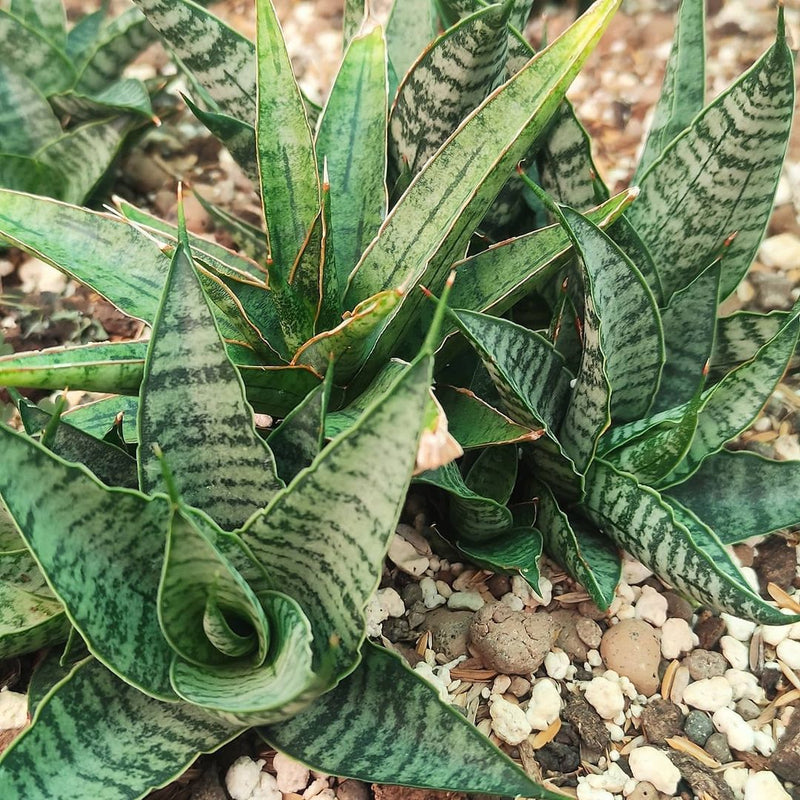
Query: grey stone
705	664
568	639
589	632
698	727
717	747
449	631
747	709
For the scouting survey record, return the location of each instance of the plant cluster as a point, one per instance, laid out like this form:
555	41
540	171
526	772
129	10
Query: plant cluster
65	109
209	577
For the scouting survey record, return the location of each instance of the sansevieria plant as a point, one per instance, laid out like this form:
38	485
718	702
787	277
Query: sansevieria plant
638	385
65	108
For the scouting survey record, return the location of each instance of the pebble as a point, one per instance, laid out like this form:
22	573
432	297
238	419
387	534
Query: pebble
512	601
568	638
545	704
747	709
245	781
775	634
698	727
652	765
465	601
740	629
739	734
643	791
704	664
744	684
631	648
556	664
717	747
763	785
512	642
449	631
589	632
291	776
788	651
606	697
710	694
651	607
406	558
430	597
509	722
519	686
678	607
13	710
677	638
781	251
735	652
709	630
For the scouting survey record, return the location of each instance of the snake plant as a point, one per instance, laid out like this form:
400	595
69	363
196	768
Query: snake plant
65	108
638	384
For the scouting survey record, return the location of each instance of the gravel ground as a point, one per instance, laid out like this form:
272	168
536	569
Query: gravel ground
648	701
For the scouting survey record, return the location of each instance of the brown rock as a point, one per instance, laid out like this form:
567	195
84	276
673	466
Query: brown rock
512	642
591	729
644	791
352	790
705	664
568	639
588	608
678	607
745	554
709	631
631	648
499	585
386	792
700	778
785	761
589	632
661	720
449	631
519	686
775	562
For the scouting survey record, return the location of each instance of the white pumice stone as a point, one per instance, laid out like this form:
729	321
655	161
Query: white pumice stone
245	781
745	685
588	792
391	602
594	659
317	787
739	734
615	732
512	601
788	651
465	601
764	743
430	597
605	696
677	638
509	721
708	694
740	629
735	651
545	704
775	634
764	785
426	671
556	664
13	710
612	780
291	775
736	778
651	607
649	764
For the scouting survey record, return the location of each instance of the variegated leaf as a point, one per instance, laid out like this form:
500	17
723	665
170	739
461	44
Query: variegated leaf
127	95
27	122
739	337
410	28
516	551
47	16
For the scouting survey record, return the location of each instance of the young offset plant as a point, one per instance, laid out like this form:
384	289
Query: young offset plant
638	385
65	109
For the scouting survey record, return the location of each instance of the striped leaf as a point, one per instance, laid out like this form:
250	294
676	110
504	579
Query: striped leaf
637	519
627	238
98	558
127	95
353	15
446	751
118	43
684	88
322	540
620	435
740	336
354	122
409	30
741	494
731	156
694	310
193	407
737	399
445	202
475	423
104	757
220	59
574	542
46	16
9	536
250	239
27	174
30	616
449	79
82	35
44	63
517	551
290	189
27	122
97	417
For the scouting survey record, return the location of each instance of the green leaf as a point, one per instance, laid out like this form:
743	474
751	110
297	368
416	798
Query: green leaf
639	520
449	79
84	764
98	417
103	252
691	311
84	33
27	174
740	336
322	540
474	423
354	13
629	241
731	156
354	122
192	406
46	16
9	536
251	240
410	28
737	400
741	494
290	190
221	60
26	120
576	544
127	95
43	62
436	747
119	43
684	88
98	558
517	551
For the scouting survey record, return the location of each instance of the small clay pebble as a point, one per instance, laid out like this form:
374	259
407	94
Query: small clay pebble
717	747
512	642
499	585
589	609
677	607
705	664
568	639
631	648
698	727
661	720
747	709
644	791
589	632
775	562
519	686
709	631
